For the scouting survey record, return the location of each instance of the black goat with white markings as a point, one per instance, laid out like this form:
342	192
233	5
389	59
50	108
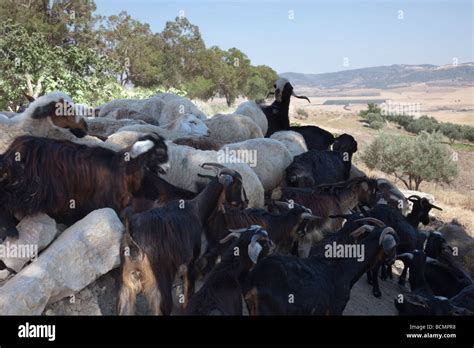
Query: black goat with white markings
221	294
286	285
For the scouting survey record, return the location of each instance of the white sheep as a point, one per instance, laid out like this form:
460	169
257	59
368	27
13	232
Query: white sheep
233	128
176	107
185	164
151	107
268	158
293	141
53	115
254	111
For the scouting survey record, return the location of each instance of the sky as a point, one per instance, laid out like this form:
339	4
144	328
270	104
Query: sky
318	36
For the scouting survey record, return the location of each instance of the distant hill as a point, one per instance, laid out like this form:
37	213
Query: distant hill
388	76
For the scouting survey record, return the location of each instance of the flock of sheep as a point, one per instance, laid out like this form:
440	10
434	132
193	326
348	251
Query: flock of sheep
264	213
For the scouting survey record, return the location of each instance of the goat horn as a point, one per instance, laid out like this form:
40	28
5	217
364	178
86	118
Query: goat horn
233	234
409	255
387	230
372	220
282	204
414	196
300	96
435	207
362	229
310	216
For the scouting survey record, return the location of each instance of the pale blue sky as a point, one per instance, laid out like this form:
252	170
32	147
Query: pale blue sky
323	32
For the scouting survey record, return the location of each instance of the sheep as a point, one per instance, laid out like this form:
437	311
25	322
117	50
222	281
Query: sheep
162	241
221	294
185	164
125	113
233	128
317	167
104	127
293	141
287	285
200	143
67	180
252	109
151	107
327	201
46	116
457	237
268	158
177	107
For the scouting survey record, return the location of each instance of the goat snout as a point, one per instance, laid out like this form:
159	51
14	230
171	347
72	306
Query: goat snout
164	168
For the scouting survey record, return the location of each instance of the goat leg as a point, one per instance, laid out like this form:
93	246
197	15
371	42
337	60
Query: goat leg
369	277
375	278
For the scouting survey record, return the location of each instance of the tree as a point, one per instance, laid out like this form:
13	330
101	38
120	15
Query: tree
30	64
200	88
451	131
412	159
260	83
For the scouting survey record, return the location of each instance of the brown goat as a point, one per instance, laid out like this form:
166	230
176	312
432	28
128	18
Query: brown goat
326	201
67	180
162	242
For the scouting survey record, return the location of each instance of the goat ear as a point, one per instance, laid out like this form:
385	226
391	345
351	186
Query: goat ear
44	111
254	250
140	147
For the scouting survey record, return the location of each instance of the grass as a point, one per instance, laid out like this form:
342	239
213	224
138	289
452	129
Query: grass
463	147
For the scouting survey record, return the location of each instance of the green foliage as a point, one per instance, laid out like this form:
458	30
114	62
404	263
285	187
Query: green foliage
62	45
412	159
374	117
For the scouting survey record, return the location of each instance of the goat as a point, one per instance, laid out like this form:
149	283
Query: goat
420	210
284	228
162	241
221	294
410	239
287	285
425	294
326	201
67	180
317	167
156	192
200	143
278	118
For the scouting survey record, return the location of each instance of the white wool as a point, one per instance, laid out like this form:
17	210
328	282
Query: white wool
233	128
140	147
293	141
188	124
43	101
254	111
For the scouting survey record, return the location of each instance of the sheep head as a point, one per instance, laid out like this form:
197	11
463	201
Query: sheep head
61	111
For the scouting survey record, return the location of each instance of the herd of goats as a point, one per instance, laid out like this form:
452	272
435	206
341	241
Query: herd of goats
264	213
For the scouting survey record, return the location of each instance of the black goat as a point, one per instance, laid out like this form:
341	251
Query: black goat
317	167
286	285
162	241
410	239
278	118
221	294
420	210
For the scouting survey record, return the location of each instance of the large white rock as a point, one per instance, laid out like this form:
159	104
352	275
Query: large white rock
80	255
36	232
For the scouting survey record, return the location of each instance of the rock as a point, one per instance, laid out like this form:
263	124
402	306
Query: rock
80	255
4	273
36	232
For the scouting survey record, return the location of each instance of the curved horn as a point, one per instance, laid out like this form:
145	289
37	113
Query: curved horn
300	96
233	234
375	221
405	255
361	230
387	230
282	204
434	206
309	216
